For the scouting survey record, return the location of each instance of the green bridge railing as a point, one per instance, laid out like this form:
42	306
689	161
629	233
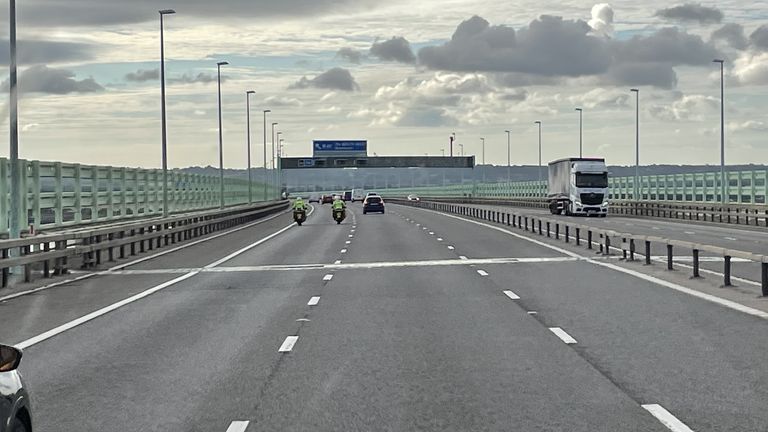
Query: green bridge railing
60	194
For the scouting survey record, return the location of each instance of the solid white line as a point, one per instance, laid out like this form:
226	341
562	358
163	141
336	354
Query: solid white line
249	247
288	344
451	248
511	295
327	277
565	337
666	418
482	273
314	301
721	301
462	257
103	311
238	426
343	251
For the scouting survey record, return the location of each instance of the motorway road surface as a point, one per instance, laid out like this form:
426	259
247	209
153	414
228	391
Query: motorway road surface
406	321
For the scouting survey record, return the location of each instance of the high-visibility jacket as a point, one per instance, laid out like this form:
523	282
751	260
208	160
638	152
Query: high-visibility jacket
299	204
338	205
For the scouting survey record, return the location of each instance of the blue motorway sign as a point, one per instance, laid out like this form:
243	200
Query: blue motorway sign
340	147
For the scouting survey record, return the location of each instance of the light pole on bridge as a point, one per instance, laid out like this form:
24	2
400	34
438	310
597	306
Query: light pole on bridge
221	139
273	177
14	228
581	129
265	152
538	122
248	140
636	187
509	156
164	130
723	197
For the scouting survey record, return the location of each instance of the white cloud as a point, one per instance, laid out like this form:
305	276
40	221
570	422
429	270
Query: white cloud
329	110
749	125
602	19
283	101
688	108
601	98
751	69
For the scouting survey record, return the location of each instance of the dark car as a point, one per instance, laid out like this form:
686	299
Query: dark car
314	198
347	197
14	401
326	199
373	204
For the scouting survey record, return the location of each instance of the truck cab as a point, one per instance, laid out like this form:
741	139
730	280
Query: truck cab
578	186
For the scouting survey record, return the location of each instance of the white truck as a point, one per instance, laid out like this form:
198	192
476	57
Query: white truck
578	186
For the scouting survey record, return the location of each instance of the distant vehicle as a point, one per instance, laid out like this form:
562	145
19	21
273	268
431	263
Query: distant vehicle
371	194
578	186
347	196
314	198
413	198
15	411
358	195
326	199
373	204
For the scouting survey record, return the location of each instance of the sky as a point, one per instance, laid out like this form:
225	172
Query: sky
403	75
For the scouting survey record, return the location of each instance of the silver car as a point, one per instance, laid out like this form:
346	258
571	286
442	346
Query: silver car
15	411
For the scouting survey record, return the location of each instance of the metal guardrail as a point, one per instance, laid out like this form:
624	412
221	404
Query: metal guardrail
57	194
628	245
54	251
735	214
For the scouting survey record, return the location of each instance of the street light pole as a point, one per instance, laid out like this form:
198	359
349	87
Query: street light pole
442	152
265	153
636	187
453	140
162	110
461	146
581	150
221	139
539	185
273	177
509	156
483	141
14	229
723	197
248	140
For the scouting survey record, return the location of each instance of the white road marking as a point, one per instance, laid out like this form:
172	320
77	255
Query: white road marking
352	230
439	239
451	248
350	236
431	233
238	426
730	238
418	224
689	232
249	247
343	251
347	242
655	228
565	337
482	273
137	261
103	311
511	295
714	299
314	301
327	277
288	344
462	257
532	313
337	262
666	418
424	228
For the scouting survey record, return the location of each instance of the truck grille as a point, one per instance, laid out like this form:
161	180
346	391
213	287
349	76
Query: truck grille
591	198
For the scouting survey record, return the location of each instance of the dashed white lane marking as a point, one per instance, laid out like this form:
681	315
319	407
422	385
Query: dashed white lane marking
730	238
352	230
418	224
343	251
431	233
424	228
314	301
532	313
238	426
482	273
671	285
337	262
655	228
666	418
565	337
689	232
451	248
327	277
462	257
288	344
439	239
512	295
348	242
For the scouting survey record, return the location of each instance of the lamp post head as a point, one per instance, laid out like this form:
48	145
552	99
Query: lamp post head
267	111
538	122
275	124
167	12
718	61
635	90
224	63
507	131
579	109
250	92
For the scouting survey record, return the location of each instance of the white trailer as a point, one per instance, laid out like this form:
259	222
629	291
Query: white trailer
578	186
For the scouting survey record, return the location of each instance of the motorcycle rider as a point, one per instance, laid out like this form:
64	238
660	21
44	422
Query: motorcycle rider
338	204
299	204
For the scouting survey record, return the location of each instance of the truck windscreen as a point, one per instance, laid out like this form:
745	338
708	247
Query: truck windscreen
586	180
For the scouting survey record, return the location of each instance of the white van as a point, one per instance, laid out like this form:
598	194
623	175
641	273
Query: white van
358	195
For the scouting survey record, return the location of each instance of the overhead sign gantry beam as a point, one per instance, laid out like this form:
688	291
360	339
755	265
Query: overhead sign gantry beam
378	162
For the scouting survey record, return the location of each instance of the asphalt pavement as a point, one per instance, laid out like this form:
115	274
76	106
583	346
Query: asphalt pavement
411	320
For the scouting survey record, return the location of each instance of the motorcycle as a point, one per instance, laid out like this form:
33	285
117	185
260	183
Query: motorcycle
299	216
339	215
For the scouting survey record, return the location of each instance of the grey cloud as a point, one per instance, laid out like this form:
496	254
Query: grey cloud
143	75
55	13
733	34
282	101
420	116
38	51
349	54
551	49
396	49
759	38
200	78
691	12
517	96
333	79
42	79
